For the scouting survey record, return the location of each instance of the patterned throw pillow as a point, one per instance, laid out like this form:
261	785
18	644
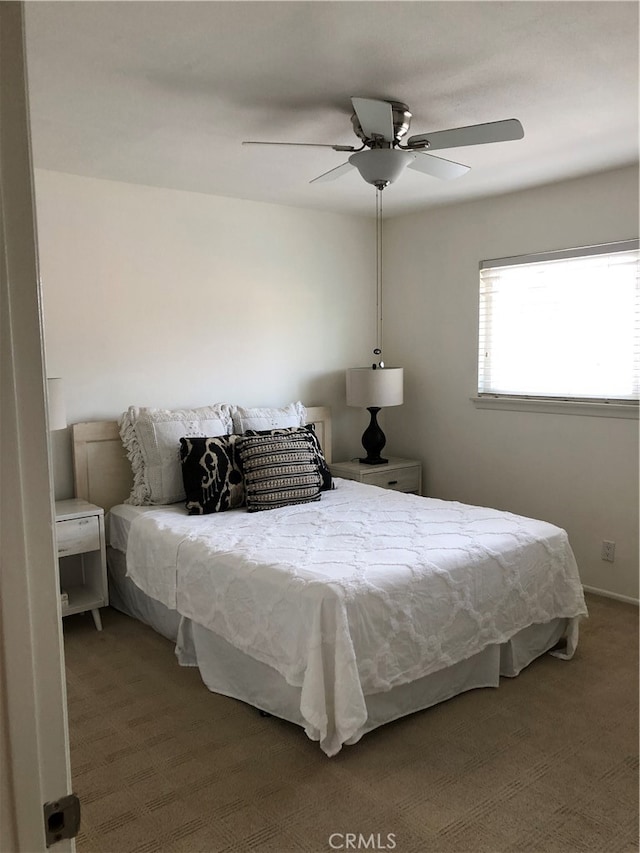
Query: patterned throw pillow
279	470
309	429
211	474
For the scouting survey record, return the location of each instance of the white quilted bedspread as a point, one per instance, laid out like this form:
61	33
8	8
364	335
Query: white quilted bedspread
362	591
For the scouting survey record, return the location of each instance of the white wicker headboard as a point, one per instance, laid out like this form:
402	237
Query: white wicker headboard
102	472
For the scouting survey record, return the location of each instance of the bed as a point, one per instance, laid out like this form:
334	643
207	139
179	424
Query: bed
343	614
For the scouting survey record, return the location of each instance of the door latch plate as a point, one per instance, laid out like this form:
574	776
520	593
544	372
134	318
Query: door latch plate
61	819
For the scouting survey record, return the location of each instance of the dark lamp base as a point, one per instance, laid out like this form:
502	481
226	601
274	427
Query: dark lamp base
373	440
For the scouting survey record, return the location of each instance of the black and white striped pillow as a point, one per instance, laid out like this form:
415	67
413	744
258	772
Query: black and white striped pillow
279	470
309	429
211	474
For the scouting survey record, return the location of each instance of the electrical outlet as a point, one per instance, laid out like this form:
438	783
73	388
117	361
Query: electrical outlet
608	552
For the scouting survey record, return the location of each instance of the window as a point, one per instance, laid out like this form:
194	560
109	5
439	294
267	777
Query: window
562	326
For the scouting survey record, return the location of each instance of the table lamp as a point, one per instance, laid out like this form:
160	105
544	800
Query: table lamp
374	388
55	405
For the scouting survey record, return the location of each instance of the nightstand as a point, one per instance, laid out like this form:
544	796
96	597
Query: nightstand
82	558
402	475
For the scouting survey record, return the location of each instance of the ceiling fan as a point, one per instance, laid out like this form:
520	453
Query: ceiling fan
381	158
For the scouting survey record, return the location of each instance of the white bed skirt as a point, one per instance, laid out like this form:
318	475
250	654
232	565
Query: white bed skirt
230	672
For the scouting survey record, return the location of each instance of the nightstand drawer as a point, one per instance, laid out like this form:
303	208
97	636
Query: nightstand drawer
399	479
78	535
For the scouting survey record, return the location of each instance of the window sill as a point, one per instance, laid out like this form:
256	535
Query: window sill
561	407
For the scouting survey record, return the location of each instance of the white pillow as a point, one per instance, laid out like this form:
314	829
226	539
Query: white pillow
293	415
151	438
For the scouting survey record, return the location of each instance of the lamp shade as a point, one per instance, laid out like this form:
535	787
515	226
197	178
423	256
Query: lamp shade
378	388
55	405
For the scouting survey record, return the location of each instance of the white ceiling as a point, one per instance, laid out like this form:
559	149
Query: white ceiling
163	93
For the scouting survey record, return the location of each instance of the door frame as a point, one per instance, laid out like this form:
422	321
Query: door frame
34	740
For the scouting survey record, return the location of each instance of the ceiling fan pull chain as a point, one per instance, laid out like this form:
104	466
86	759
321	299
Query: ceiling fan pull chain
379	305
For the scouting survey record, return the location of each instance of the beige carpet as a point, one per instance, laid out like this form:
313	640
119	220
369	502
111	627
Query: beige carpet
548	762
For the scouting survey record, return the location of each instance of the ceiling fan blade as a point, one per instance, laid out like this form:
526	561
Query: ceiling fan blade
475	134
305	145
332	174
375	117
438	167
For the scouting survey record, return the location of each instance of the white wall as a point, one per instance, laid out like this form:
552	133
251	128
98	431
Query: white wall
163	298
158	297
575	471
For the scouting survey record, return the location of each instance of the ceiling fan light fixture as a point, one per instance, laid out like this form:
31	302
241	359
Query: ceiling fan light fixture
380	125
381	166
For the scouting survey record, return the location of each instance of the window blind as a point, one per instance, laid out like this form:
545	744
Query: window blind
562	325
